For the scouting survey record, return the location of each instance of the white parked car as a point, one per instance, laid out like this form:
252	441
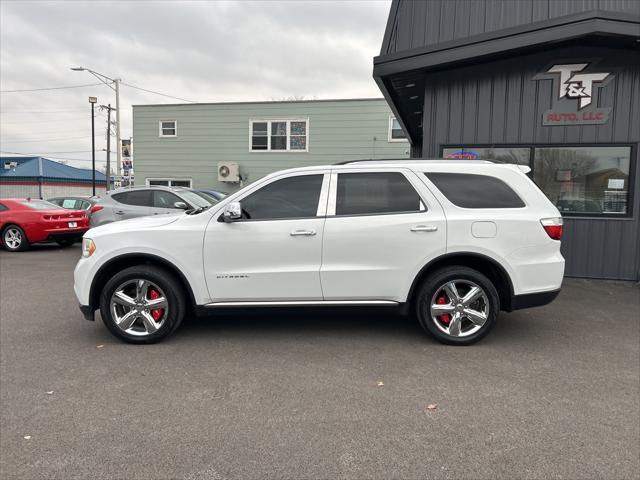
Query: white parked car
454	242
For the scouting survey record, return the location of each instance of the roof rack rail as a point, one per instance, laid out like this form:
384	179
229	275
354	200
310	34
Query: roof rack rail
346	162
410	160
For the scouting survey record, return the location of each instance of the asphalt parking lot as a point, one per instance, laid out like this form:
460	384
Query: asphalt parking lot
552	392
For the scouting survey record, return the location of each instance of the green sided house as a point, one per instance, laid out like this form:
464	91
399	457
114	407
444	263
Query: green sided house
224	146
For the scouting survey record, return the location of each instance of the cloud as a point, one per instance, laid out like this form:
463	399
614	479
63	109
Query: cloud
202	51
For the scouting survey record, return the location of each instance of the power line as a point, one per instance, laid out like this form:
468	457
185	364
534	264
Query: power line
74	119
46	139
50	88
47	153
52	158
44	111
158	93
40	132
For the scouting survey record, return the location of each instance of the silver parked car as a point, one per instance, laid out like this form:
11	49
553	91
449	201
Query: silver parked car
126	203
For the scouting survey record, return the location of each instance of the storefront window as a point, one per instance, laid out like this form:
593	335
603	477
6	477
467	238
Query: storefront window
584	180
517	155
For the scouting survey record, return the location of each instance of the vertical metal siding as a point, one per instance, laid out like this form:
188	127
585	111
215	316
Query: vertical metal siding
419	23
499	103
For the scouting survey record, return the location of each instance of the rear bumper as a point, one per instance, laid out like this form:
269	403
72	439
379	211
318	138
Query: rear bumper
75	234
529	300
88	312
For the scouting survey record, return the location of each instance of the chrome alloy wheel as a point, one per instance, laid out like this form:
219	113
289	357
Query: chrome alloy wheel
459	308
139	307
12	238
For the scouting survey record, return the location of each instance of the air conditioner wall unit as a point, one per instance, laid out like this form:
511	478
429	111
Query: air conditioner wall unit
228	172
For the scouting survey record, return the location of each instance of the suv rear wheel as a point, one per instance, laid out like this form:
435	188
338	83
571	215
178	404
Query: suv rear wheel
142	304
457	305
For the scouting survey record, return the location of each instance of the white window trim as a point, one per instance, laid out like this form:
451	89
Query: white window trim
390	138
169	180
268	121
175	127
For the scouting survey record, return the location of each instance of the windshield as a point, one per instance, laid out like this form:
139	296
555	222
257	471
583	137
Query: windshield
41	205
209	198
197	199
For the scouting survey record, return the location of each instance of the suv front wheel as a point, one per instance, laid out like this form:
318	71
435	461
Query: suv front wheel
142	304
457	305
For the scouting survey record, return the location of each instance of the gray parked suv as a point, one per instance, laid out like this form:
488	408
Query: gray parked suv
126	203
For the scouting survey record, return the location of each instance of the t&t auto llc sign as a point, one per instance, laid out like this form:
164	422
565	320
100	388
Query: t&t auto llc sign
575	99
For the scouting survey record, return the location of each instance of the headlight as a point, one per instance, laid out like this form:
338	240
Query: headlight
88	247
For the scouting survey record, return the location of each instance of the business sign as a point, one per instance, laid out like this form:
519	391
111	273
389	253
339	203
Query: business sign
462	155
127	160
575	100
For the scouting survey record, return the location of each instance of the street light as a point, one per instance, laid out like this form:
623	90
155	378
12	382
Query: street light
116	87
92	101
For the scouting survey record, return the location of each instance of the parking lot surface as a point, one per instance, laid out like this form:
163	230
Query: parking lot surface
551	392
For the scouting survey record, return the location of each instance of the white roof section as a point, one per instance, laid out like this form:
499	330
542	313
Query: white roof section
422	165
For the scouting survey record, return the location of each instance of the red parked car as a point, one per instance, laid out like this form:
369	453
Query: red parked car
27	221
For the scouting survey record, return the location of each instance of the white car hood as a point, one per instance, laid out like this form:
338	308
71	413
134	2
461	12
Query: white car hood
140	223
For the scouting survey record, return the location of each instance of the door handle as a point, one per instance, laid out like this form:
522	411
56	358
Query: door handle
303	233
119	212
424	228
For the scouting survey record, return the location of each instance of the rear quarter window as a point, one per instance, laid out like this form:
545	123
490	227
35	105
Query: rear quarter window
475	191
140	198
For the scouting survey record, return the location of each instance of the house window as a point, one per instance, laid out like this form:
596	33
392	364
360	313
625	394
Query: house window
168	128
582	180
279	135
396	134
169	182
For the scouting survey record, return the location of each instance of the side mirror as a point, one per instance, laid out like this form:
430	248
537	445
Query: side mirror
232	212
181	205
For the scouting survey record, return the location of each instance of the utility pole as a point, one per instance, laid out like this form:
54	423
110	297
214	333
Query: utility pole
108	147
92	101
118	143
114	84
108	108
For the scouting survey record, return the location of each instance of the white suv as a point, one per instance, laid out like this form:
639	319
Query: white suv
454	242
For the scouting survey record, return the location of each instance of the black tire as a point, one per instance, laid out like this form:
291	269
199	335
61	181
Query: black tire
24	243
432	285
65	243
173	292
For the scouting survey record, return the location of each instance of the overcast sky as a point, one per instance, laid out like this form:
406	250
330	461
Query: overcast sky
200	51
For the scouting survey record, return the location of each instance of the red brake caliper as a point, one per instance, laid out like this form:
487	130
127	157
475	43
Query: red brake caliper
445	317
156	313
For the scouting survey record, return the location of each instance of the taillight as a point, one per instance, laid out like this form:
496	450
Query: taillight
553	227
96	208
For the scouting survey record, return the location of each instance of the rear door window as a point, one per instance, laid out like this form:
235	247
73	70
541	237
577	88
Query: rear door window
376	193
475	191
141	198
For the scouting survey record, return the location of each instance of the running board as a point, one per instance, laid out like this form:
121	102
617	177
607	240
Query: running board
306	303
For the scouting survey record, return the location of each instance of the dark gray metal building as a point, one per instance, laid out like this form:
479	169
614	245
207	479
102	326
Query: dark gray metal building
551	84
